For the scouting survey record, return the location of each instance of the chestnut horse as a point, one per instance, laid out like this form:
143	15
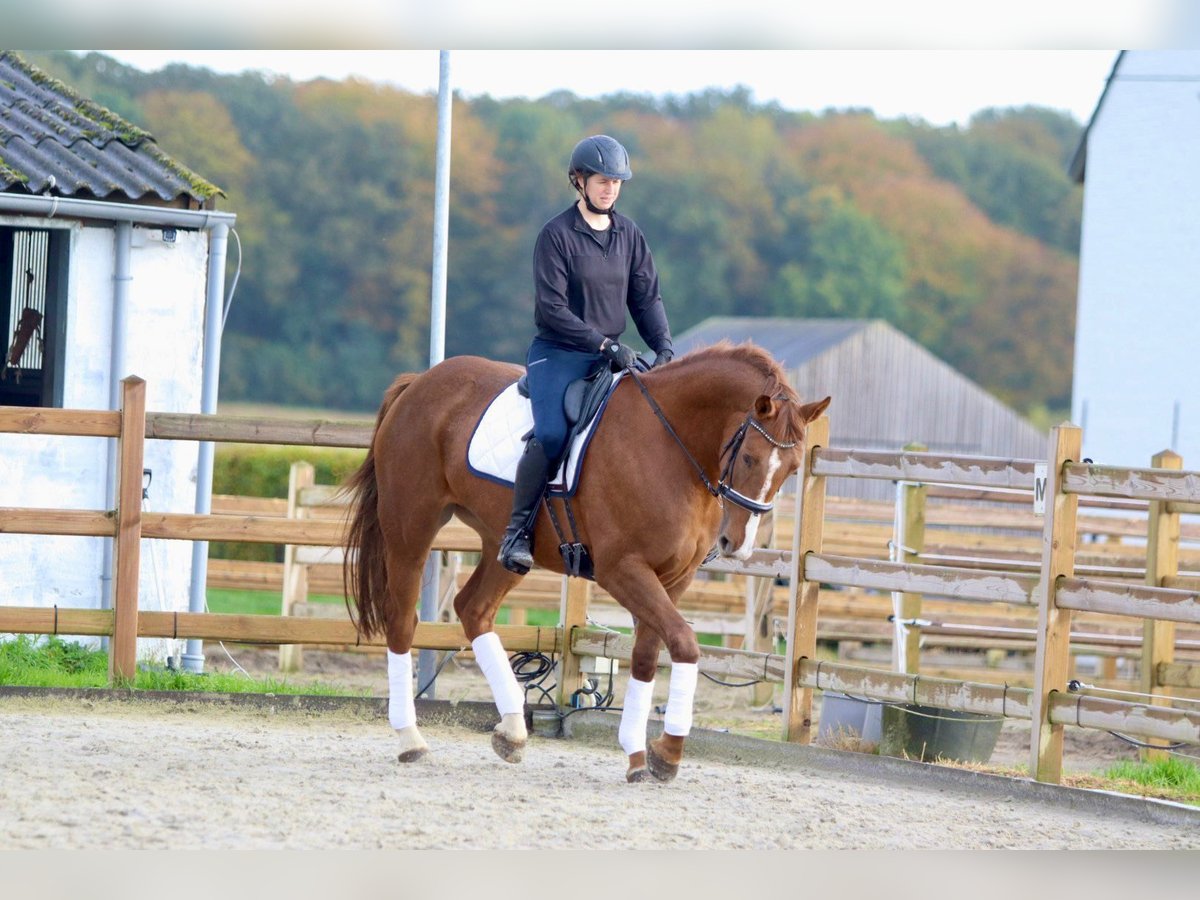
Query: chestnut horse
687	455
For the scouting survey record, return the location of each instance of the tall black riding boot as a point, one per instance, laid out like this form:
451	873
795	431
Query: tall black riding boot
533	471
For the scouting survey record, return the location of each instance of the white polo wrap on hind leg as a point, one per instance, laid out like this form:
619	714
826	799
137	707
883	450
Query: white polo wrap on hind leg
680	696
402	710
494	664
635	715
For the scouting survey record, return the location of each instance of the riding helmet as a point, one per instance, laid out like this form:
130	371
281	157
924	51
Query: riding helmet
601	155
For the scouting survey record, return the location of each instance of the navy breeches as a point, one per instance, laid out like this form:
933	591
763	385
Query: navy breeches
551	368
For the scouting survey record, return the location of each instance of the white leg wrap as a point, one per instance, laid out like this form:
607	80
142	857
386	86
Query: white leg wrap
493	662
681	693
402	711
635	714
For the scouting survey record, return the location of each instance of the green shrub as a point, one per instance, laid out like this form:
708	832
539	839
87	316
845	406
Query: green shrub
253	470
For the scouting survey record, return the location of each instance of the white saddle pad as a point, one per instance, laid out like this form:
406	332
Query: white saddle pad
497	443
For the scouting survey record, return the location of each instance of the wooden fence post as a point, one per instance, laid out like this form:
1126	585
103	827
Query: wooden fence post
803	594
908	543
1162	561
295	576
573	604
1052	664
127	549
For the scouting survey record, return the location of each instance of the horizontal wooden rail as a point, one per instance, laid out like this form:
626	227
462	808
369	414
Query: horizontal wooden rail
244	430
260	629
897	687
1090	711
77	522
1171	485
68	422
740	665
942	581
189	427
1116	598
927	468
253	529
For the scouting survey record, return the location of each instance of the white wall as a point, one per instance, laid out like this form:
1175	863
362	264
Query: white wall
1138	327
163	346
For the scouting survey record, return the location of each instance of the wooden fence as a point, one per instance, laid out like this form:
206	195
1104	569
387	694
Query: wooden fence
1056	589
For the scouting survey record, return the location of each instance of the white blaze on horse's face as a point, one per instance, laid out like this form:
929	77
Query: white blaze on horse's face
760	482
750	530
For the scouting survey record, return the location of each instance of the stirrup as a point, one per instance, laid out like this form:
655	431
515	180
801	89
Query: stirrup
515	549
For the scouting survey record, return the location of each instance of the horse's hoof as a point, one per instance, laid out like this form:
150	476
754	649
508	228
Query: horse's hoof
412	744
508	750
661	769
663	756
411	756
637	768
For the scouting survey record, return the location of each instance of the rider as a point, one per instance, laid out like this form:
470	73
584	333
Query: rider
590	263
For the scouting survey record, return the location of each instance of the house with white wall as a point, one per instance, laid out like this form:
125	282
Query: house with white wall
1137	332
112	263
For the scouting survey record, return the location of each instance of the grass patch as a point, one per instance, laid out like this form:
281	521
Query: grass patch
53	662
256	603
1170	778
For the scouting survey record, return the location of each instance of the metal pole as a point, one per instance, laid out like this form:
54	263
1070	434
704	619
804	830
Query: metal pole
122	277
427	659
218	242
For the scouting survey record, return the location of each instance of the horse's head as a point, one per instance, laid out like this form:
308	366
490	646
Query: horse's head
761	452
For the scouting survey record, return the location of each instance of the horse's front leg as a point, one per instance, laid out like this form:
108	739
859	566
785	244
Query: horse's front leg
639	700
640	591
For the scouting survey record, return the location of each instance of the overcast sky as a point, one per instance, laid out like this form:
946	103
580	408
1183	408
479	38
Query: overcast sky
939	86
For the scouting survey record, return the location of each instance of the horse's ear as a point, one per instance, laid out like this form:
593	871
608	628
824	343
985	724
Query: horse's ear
765	406
810	411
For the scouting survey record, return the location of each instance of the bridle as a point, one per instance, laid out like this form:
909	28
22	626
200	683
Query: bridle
722	490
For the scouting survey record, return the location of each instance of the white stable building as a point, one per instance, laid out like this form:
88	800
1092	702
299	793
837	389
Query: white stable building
112	263
1137	333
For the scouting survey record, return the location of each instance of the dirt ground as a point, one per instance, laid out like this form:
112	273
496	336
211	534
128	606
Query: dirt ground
717	707
122	774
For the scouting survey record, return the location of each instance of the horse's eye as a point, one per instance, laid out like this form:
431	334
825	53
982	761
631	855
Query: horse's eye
748	459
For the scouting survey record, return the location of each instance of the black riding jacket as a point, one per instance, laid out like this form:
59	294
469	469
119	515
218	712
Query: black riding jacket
582	288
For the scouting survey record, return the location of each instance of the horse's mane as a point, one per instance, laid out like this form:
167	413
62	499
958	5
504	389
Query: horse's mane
775	383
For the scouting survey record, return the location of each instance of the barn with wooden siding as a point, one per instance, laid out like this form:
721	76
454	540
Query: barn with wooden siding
887	390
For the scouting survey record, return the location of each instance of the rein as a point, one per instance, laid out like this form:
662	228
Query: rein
722	490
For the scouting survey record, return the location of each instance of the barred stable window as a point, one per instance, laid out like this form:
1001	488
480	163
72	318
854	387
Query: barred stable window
33	264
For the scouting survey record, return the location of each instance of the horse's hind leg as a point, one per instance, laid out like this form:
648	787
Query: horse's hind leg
476	605
405	561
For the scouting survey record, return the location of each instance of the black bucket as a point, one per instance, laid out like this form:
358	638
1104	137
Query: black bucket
929	733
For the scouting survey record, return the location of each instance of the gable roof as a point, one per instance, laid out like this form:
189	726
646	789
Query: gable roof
54	141
791	341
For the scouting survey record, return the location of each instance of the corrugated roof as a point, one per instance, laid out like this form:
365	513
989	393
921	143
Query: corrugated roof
54	141
791	341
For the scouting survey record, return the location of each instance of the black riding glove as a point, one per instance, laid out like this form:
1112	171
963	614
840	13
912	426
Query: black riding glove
619	355
663	356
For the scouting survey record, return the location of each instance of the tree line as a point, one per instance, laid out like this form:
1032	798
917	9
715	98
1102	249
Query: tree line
966	239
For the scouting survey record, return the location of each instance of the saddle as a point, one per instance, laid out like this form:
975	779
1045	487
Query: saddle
582	400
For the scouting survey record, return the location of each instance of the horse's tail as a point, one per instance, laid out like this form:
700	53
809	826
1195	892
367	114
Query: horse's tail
364	572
